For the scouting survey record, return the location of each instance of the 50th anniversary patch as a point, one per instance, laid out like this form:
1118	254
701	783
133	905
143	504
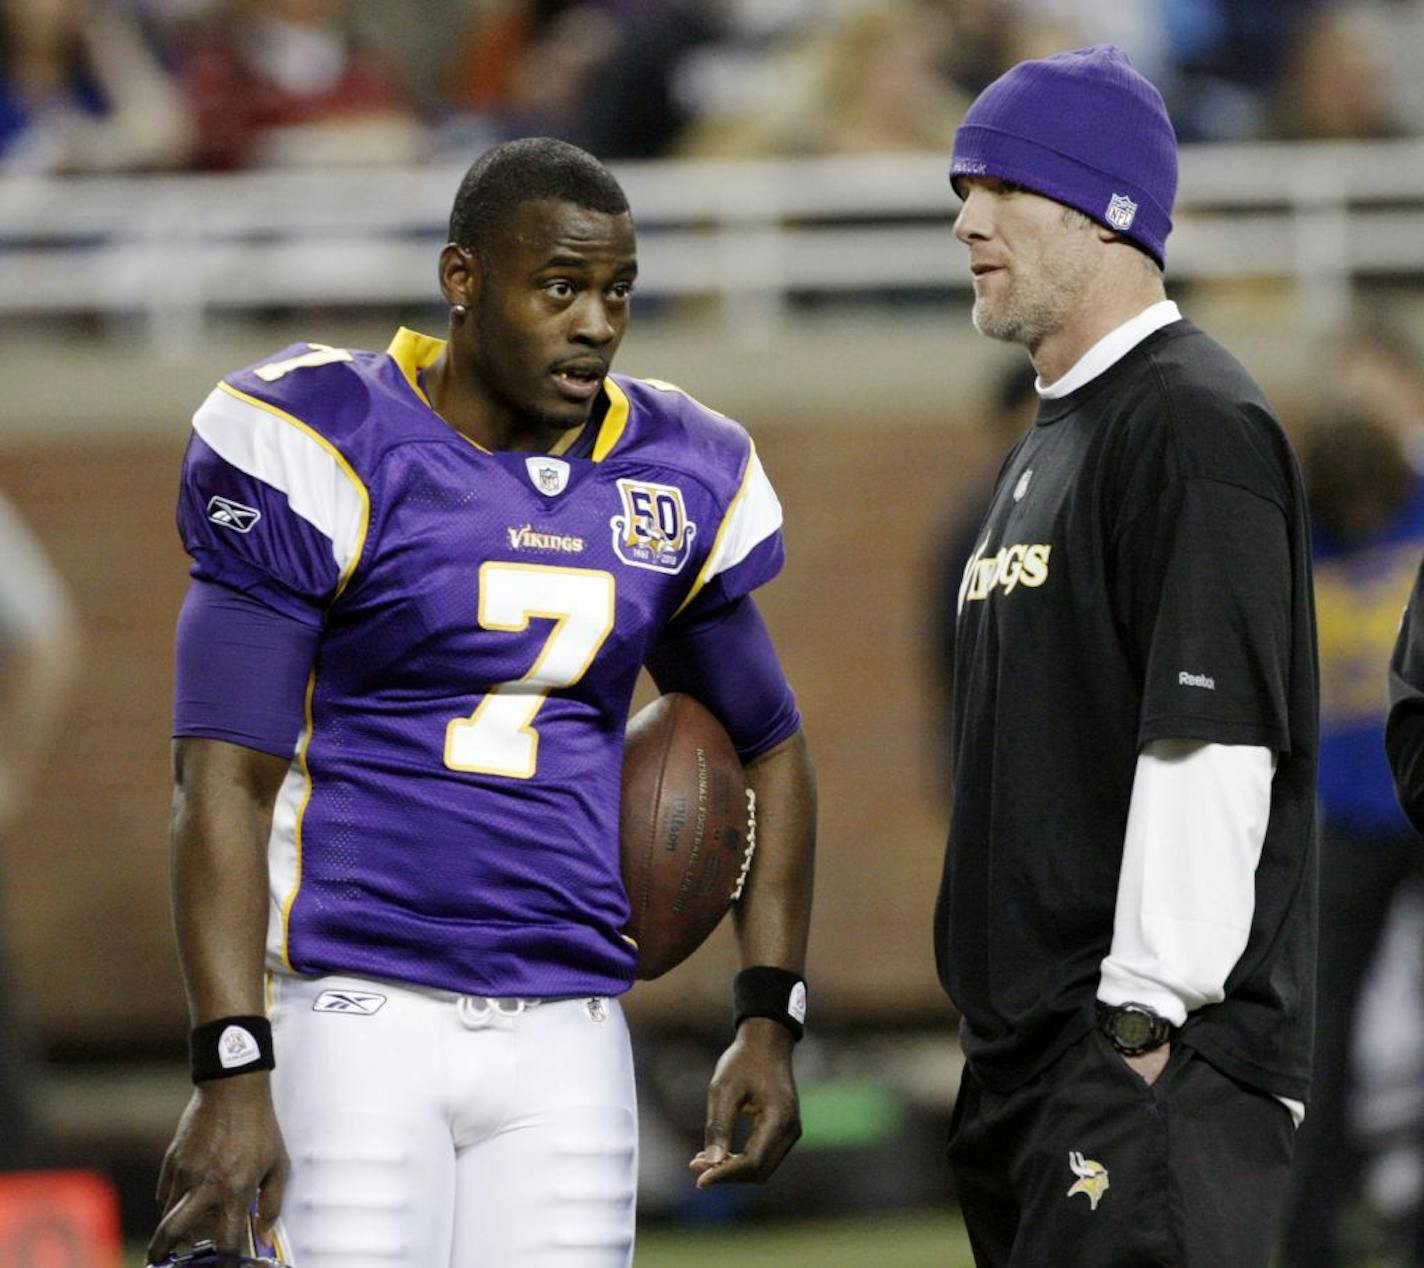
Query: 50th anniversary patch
653	531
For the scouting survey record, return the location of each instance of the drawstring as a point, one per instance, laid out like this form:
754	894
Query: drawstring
477	1011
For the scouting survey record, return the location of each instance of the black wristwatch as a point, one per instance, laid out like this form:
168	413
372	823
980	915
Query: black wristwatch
1133	1028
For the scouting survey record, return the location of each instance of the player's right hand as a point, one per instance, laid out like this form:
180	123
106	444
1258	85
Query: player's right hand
226	1154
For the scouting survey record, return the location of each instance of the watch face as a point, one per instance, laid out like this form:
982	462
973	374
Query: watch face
1132	1029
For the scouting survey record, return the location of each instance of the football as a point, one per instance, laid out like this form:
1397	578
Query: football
688	829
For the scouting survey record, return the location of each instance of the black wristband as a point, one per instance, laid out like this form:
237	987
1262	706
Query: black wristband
764	991
231	1045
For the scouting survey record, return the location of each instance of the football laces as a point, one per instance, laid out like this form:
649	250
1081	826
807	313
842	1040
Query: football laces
751	845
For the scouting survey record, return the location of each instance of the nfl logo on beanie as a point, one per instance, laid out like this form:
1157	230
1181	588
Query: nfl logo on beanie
1085	129
1121	212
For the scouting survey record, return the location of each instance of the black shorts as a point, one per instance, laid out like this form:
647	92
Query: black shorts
1087	1165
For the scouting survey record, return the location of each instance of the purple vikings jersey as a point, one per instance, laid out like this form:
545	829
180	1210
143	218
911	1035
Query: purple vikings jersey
451	815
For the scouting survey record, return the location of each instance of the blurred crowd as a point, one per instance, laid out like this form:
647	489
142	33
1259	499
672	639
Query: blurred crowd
111	85
1362	447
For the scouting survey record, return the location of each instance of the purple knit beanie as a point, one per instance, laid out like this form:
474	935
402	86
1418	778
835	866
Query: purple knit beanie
1085	129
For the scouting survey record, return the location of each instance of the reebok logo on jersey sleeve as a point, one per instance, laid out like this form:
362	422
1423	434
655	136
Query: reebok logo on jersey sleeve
232	514
1184	679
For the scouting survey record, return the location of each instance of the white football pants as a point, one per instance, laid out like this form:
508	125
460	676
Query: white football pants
429	1129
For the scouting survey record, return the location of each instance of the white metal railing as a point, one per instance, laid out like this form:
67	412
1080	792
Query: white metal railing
174	249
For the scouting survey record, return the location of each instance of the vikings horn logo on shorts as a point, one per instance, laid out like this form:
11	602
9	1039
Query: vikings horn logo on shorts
653	531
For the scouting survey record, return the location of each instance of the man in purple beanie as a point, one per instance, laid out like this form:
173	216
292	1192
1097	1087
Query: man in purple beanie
1127	918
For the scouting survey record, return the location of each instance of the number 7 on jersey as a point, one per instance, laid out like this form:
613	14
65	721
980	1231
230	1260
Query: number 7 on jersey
499	738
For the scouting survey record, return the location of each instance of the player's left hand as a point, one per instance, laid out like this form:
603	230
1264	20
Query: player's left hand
753	1078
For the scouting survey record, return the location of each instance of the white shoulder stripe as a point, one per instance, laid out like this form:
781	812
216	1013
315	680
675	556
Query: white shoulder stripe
753	517
284	453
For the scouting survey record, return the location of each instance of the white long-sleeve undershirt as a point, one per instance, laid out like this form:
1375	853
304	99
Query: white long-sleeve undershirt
1186	892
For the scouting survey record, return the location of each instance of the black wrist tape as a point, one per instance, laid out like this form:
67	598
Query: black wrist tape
764	991
231	1045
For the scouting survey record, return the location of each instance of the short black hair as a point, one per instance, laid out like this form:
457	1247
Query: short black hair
535	167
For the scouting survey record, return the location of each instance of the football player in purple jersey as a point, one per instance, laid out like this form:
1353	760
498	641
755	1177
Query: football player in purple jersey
424	582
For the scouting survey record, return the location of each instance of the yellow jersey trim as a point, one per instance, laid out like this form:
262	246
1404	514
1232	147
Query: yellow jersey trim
341	462
413	352
702	577
615	421
297	827
566	441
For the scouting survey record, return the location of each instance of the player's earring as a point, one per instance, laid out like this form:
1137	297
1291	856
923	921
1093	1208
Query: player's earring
458	312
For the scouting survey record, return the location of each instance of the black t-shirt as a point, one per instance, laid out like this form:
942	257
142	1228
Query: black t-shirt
1143	573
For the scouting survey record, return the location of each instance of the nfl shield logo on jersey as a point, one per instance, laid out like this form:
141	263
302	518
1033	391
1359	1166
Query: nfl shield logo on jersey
549	475
1121	212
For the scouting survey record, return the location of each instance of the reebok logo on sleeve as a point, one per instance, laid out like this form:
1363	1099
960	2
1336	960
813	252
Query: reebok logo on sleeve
233	515
1185	679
